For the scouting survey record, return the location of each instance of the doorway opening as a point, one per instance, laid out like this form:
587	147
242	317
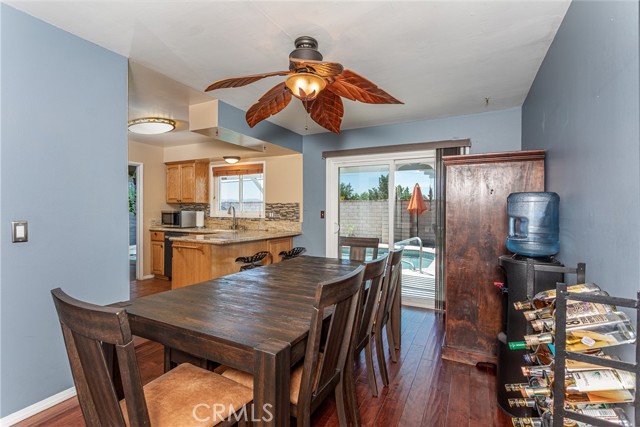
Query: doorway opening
134	188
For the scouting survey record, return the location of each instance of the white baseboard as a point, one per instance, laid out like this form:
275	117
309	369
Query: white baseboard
37	407
148	276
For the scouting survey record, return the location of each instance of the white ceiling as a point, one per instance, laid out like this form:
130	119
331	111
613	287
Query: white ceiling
442	58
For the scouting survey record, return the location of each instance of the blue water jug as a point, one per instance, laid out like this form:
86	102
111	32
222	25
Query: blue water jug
534	223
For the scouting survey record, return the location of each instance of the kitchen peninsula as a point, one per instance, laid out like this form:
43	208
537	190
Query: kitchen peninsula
206	254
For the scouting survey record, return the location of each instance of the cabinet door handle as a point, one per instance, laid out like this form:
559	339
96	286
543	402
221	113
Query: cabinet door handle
198	248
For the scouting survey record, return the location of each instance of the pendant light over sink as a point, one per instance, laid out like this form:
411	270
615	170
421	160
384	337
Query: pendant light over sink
151	125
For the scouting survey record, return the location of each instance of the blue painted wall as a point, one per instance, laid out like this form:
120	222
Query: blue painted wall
63	167
583	109
489	132
63	158
234	118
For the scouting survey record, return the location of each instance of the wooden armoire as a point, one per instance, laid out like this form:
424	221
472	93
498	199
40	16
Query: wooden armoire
477	187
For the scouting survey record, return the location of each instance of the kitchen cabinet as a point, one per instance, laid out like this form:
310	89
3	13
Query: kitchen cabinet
477	187
157	253
275	246
191	264
195	262
188	182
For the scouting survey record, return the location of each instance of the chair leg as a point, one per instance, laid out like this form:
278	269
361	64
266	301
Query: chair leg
340	404
167	359
382	364
391	342
350	393
396	340
373	384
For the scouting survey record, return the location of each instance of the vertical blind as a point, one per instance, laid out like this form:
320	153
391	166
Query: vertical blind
441	181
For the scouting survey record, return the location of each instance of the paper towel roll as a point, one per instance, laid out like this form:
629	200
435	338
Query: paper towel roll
200	219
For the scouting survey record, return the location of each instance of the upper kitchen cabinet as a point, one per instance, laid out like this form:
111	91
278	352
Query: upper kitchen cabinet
188	182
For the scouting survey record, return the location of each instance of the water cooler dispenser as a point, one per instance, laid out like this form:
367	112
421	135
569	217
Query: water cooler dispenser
534	224
533	238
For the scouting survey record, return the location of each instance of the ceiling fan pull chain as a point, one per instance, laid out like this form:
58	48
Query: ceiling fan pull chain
306	116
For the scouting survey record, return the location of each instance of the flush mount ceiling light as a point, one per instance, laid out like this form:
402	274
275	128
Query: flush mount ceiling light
317	83
151	125
231	159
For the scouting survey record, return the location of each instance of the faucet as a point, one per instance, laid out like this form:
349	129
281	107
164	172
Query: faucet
234	220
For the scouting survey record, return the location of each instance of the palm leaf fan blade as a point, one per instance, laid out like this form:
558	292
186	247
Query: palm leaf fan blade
243	81
272	102
353	86
327	110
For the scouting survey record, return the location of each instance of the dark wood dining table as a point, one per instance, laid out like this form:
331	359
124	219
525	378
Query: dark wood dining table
256	321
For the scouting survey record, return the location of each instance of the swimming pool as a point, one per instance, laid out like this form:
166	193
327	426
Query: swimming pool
410	256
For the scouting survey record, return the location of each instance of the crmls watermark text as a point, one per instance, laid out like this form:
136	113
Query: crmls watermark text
203	412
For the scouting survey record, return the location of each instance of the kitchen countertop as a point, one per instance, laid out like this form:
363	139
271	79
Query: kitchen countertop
225	237
192	230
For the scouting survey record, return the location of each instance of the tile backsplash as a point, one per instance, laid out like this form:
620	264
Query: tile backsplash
279	217
195	207
282	212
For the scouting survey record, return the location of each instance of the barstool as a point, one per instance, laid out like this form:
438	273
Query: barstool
293	253
251	261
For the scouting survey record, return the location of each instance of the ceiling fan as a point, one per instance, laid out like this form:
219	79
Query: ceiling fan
318	84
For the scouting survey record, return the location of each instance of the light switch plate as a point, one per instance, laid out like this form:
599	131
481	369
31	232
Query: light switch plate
19	231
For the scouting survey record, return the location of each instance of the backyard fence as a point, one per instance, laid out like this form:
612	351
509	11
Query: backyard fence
370	218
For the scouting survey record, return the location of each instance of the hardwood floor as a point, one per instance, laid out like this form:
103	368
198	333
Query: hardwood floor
141	288
424	390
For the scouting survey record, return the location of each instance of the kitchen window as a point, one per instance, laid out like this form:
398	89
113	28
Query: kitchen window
240	186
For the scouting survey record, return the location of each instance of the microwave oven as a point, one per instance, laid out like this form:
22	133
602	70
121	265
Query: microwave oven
182	219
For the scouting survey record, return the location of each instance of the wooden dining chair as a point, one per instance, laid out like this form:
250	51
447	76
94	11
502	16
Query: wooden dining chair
363	331
383	319
358	247
323	369
369	297
172	399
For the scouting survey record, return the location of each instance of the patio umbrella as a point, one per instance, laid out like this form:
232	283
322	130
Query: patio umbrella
417	204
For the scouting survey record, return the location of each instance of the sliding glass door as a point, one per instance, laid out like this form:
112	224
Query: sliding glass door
391	198
414	228
363	202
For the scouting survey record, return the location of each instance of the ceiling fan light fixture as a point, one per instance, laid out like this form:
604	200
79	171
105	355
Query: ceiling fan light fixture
305	86
307	77
151	125
231	159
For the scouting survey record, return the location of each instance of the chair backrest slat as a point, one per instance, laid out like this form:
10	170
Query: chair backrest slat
83	391
98	380
321	374
369	297
390	285
86	328
358	247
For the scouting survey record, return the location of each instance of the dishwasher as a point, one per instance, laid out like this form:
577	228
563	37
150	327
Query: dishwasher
168	250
